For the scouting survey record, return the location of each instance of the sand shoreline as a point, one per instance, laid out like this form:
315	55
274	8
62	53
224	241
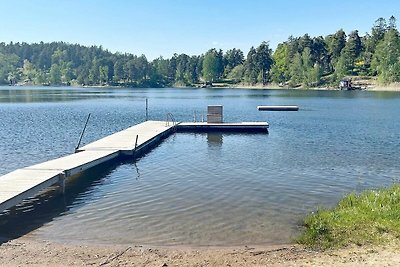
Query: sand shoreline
27	251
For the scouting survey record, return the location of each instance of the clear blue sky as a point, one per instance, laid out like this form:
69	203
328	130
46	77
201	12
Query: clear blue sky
164	27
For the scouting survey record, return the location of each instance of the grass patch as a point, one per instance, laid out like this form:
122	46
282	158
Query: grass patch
372	217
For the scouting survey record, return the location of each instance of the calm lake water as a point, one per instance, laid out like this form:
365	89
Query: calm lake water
198	189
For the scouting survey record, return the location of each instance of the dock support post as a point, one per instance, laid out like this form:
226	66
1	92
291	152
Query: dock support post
61	183
137	136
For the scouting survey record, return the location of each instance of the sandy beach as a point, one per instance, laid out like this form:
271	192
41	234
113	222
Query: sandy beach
26	251
389	88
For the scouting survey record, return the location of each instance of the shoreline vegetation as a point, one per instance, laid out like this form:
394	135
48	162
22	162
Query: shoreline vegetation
370	85
368	218
298	62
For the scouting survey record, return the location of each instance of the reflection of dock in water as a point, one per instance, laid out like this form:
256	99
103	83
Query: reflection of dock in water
215	139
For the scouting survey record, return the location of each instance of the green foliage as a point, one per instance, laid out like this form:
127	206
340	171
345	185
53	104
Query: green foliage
315	75
387	58
343	67
55	74
280	69
28	71
193	69
119	74
299	61
296	71
372	217
264	61
8	67
211	66
40	78
378	31
187	69
236	74
320	54
346	64
232	58
336	43
310	75
308	59
251	71
353	47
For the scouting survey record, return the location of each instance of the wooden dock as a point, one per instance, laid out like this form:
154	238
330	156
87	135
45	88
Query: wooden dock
27	182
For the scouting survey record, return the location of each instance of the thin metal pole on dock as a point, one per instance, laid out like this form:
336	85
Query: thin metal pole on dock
83	131
137	136
147	109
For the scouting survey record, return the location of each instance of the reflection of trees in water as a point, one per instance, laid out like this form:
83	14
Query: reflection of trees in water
49	95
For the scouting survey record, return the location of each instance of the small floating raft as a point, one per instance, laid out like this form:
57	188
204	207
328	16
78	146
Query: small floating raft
278	108
249	127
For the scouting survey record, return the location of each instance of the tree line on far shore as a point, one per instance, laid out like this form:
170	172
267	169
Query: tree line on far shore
300	61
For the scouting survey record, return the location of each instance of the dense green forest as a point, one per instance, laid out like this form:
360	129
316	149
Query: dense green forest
300	61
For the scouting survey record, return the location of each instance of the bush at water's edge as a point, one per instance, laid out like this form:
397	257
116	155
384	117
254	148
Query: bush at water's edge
372	217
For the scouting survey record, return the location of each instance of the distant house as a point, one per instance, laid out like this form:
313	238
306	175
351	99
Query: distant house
345	84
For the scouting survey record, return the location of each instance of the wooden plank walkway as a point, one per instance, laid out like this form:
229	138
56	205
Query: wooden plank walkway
124	141
27	182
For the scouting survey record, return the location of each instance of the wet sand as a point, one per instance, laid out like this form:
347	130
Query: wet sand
26	251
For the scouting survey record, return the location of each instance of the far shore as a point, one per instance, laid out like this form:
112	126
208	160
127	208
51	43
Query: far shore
28	251
387	88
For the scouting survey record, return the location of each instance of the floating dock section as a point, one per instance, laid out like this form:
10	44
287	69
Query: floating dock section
27	182
278	108
249	127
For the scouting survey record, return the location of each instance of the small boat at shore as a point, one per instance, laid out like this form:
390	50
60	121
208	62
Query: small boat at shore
346	84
